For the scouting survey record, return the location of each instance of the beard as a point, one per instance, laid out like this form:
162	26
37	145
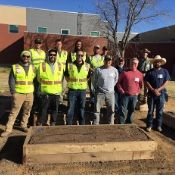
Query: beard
157	66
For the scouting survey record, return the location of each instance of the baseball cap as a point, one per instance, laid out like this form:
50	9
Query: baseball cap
38	41
97	46
107	58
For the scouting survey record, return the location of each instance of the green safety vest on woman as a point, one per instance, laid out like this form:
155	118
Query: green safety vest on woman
23	82
78	79
37	57
50	83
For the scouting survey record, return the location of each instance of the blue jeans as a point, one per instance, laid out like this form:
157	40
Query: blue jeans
156	103
118	96
128	104
77	100
110	103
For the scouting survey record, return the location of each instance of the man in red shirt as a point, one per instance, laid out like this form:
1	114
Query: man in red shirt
129	85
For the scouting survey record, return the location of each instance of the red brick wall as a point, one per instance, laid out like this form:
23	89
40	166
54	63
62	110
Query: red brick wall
68	41
11	44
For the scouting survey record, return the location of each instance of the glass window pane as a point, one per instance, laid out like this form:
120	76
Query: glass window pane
42	30
95	33
65	31
13	28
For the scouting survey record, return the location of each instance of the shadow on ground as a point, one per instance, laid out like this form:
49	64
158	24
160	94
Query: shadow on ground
13	149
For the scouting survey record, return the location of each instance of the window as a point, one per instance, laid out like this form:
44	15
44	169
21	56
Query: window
65	31
13	28
42	29
95	33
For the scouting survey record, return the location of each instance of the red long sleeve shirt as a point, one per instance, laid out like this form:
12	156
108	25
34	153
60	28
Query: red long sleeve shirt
130	82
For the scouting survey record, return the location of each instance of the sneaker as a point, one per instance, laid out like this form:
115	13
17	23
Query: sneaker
24	129
148	129
159	128
5	134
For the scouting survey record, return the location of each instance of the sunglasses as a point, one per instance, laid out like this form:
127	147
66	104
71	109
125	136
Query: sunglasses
80	55
54	55
26	56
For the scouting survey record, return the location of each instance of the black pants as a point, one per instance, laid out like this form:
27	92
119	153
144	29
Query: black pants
50	104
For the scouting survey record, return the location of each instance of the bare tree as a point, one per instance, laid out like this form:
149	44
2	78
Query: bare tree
125	14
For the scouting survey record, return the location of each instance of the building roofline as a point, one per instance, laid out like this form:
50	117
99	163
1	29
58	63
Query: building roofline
34	8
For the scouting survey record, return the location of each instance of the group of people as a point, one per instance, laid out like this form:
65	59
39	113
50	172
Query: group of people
36	83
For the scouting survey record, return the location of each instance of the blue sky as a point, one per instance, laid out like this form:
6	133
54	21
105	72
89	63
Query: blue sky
88	6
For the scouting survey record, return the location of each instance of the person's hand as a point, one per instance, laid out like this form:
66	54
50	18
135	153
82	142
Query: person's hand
156	92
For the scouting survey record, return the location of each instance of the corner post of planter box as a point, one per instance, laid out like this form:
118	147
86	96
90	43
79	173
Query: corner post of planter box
25	150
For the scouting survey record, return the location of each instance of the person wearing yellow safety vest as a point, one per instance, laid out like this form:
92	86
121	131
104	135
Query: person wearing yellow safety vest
72	55
21	87
61	54
50	76
77	74
37	54
61	58
104	51
96	60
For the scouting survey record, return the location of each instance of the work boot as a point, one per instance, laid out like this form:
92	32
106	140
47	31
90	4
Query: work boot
5	133
24	129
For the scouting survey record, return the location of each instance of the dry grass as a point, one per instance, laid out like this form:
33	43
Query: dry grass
171	89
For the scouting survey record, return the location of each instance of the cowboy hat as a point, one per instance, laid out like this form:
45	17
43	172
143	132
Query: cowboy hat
160	59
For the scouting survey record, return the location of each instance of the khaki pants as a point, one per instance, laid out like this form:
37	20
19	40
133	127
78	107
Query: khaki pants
20	100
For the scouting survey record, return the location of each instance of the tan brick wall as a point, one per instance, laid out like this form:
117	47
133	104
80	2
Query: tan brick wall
12	15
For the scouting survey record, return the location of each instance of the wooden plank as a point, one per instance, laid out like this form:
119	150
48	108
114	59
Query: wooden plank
38	149
87	157
94	150
25	145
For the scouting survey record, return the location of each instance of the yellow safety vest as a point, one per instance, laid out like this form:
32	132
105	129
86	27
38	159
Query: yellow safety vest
23	82
50	83
78	80
37	57
62	58
73	56
96	62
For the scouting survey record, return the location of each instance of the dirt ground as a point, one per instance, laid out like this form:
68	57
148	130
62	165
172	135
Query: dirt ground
11	153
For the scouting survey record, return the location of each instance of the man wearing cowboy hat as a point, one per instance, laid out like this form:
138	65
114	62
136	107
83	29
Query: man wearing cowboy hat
144	66
156	80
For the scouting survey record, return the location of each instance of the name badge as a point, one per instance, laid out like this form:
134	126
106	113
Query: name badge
137	79
159	76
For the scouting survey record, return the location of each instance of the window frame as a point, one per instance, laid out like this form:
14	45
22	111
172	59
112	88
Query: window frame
67	30
43	28
96	32
9	26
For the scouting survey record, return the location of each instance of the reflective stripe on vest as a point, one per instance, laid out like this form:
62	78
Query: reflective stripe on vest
50	83
78	79
23	82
